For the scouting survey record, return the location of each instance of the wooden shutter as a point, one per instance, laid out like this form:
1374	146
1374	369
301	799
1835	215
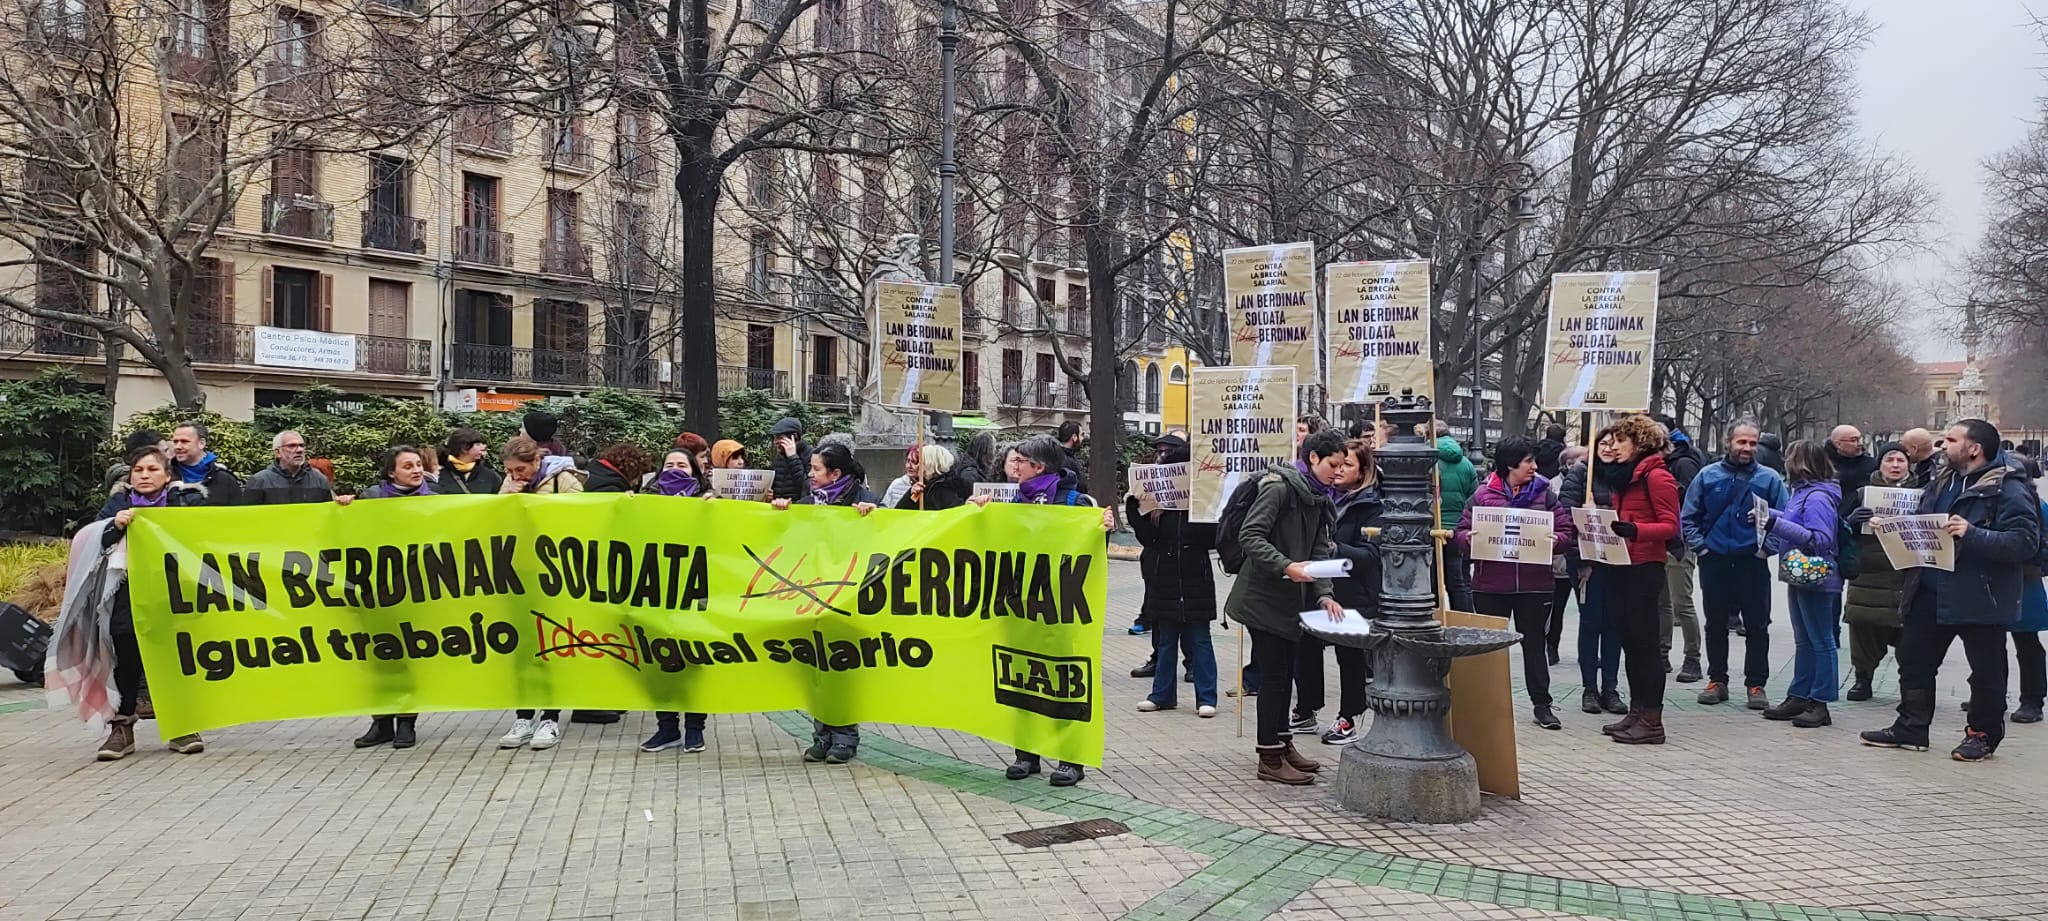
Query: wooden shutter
269	284
325	311
223	293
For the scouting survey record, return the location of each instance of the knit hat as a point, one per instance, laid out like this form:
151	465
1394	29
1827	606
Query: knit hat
539	426
724	450
1890	446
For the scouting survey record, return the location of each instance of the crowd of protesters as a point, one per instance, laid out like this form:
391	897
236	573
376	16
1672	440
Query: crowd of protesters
1683	519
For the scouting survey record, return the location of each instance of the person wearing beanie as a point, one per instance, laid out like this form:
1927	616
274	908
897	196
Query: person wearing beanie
791	458
1871	605
117	473
542	427
728	454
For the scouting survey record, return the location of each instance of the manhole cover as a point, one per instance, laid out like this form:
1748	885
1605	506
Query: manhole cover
1068	833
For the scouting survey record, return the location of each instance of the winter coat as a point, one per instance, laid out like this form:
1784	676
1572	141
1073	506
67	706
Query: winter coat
1715	517
1362	508
558	476
1180	581
481	480
122	618
1072	471
1810	524
1494	577
947	490
606	478
1769	453
2034	602
1684	460
854	495
1650	502
273	486
792	471
218	487
1853	473
1872	598
1549	455
1288	522
1457	478
2004	536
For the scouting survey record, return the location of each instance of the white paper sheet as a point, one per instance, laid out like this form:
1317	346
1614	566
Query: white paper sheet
1353	624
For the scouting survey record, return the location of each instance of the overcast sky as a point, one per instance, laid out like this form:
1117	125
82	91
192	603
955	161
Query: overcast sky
1947	84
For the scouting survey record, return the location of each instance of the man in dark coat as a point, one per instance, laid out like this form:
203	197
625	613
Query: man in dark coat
1996	523
1549	450
289	479
1770	452
1853	465
194	467
791	458
1071	469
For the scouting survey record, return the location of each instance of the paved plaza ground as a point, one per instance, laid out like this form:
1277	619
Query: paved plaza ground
1735	818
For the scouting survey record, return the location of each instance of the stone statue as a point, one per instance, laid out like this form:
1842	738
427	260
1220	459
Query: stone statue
899	262
890	426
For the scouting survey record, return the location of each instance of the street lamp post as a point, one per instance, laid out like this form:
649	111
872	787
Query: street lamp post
949	49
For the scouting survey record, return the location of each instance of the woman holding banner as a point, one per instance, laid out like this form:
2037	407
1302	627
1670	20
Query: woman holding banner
1803	537
1873	596
681	477
1519	591
149	473
530	470
1180	593
836	479
1645	503
401	473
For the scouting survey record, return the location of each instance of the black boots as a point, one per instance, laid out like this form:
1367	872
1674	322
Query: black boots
402	732
1860	690
382	731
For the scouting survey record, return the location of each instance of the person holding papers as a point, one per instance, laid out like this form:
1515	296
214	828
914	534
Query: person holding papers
1645	498
1872	609
1519	591
1804	538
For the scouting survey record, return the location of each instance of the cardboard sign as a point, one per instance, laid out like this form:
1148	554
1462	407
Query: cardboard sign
1378	324
917	342
1483	708
1003	492
745	485
1916	541
1889	502
1602	340
1271	293
1160	486
1513	535
1597	541
1243	423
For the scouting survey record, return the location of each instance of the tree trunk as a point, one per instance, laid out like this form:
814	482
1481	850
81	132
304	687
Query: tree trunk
697	190
1105	422
185	389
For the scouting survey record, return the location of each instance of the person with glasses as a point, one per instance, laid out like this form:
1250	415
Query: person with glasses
289	479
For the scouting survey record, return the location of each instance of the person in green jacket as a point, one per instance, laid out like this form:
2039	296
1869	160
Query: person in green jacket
1457	480
1286	526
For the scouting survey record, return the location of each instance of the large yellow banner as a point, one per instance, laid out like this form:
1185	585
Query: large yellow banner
1243	423
1379	330
917	329
1271	291
984	620
1602	342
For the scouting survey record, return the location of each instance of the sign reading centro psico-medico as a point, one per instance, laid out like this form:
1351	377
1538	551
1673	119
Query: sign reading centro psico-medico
985	620
917	328
1243	422
1602	340
1271	292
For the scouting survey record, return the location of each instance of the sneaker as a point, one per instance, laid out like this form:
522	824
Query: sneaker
1758	700
1206	712
2027	713
1547	718
839	754
1020	769
1976	747
1067	774
1716	693
1689	672
1611	702
664	738
818	750
1249	691
1137	629
693	740
1149	706
1889	738
187	744
1342	731
1590	701
545	735
522	732
1303	722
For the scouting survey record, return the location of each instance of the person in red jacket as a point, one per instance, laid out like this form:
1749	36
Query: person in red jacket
1645	499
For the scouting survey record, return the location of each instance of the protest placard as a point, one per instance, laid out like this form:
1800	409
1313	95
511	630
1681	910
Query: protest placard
1513	535
1889	502
745	485
1379	329
1271	294
999	492
917	344
1597	541
1160	486
1916	541
1243	423
1602	340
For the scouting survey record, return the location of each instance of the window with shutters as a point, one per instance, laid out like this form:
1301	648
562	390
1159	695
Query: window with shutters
59	286
561	326
760	347
196	154
298	299
294	74
874	199
198	41
389	224
970	380
294	207
633	149
761	262
390	308
563	253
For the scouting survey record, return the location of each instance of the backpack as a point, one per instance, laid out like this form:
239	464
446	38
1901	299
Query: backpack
1228	550
1848	554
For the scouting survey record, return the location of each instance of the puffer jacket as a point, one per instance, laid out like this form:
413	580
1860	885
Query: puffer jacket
606	478
557	476
1872	598
1494	577
1650	502
1456	477
1362	508
1180	580
1810	525
1991	559
1288	522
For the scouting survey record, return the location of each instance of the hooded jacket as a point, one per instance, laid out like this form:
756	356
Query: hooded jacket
274	486
1288	522
1991	559
1494	577
1684	460
1458	479
1810	525
1715	518
557	476
1872	598
792	471
1769	452
1549	457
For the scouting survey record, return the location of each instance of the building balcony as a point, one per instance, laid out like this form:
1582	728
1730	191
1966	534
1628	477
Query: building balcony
565	257
303	216
46	340
633	269
483	246
498	364
234	344
570	149
774	381
395	233
970	397
484	129
630	372
829	389
297	86
1077	321
1041	394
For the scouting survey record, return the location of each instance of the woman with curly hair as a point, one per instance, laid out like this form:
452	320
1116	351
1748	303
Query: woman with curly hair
1644	497
620	467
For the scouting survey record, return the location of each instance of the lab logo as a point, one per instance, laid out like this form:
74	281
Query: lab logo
1060	687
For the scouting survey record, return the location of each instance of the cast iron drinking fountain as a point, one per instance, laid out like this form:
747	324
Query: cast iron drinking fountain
1408	768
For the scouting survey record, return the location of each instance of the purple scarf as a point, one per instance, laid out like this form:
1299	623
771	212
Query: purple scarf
1329	492
386	489
830	495
162	499
1526	496
675	482
1039	489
